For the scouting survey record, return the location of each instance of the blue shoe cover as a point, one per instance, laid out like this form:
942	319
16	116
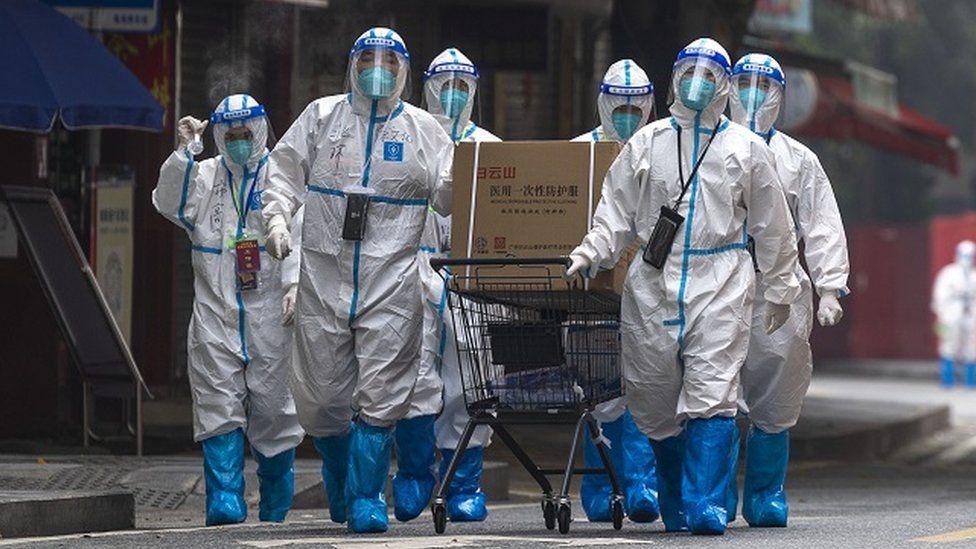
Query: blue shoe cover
369	467
276	475
669	454
595	490
639	472
948	372
223	472
763	496
970	375
335	465
465	500
732	499
705	479
414	480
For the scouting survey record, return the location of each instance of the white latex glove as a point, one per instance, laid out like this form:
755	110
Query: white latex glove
579	265
288	305
830	312
776	316
279	240
188	127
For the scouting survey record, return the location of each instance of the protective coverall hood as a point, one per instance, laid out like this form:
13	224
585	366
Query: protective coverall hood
241	110
702	58
752	75
624	84
376	50
451	74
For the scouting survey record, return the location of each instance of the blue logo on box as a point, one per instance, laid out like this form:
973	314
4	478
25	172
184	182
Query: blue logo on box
393	151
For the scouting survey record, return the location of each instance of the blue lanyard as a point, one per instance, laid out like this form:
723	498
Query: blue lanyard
243	209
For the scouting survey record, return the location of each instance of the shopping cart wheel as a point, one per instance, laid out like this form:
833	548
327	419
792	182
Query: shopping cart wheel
440	518
617	513
564	516
549	514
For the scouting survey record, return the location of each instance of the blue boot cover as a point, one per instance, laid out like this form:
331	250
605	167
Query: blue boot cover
948	372
639	473
369	467
595	490
970	375
465	500
414	481
732	499
763	496
335	465
705	479
669	455
277	481
223	472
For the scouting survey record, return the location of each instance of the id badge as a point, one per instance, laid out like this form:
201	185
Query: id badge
248	263
354	226
662	238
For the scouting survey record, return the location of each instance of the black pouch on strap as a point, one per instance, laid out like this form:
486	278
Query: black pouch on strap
662	238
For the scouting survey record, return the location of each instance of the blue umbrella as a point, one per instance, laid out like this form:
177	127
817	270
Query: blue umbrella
54	68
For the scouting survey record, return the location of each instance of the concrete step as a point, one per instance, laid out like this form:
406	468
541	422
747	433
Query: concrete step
48	513
840	429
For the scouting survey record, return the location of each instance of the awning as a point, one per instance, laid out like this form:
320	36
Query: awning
837	115
54	68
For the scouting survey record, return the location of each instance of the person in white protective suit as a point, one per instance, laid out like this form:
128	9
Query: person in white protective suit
372	164
450	84
691	187
625	104
777	370
954	305
239	352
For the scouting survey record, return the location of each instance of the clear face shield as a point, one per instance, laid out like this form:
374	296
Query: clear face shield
756	99
697	81
449	95
379	71
625	109
242	135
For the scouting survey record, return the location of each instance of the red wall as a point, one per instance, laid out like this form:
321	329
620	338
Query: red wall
890	287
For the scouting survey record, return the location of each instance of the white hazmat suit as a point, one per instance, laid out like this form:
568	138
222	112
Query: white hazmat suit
685	327
777	371
370	161
625	104
954	305
239	352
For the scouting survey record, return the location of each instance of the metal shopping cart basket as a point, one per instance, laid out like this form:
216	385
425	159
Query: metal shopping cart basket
533	350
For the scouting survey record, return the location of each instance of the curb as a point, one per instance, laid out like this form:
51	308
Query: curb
48	513
871	442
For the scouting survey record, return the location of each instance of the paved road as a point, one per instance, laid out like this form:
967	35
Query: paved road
882	505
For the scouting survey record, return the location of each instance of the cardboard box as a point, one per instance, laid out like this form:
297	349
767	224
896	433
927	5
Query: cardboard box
530	199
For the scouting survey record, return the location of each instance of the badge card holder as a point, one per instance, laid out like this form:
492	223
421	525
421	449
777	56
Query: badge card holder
357	206
248	263
662	238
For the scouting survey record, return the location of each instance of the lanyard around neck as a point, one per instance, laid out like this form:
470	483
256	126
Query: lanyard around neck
694	171
243	209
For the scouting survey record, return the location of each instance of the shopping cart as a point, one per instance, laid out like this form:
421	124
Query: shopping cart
533	350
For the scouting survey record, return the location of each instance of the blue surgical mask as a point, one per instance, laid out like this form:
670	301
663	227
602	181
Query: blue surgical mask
376	82
239	151
752	99
696	93
453	102
625	123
